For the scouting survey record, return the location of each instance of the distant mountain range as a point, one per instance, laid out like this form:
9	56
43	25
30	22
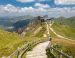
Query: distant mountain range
16	22
13	24
21	24
66	21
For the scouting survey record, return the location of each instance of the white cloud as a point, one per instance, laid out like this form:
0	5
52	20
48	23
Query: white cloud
42	5
23	1
10	10
7	10
27	9
42	0
65	2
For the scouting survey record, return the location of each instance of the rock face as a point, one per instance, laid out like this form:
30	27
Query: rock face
38	51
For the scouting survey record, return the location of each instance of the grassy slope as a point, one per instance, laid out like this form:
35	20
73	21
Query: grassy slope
67	45
64	30
65	27
10	41
41	32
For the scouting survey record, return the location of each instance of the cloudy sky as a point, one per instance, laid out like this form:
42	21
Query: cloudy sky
53	8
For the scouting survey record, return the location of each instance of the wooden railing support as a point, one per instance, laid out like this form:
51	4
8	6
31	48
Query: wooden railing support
61	55
52	49
20	51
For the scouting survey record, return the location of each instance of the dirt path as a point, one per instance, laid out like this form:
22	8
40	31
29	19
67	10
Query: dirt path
60	35
37	30
38	51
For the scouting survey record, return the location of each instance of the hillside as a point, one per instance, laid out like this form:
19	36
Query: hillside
67	46
10	41
65	27
8	22
66	21
20	24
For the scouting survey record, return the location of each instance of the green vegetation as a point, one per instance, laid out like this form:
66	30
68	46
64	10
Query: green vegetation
66	21
41	32
67	45
9	42
65	27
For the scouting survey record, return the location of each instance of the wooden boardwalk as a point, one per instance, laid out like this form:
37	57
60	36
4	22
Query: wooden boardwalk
38	51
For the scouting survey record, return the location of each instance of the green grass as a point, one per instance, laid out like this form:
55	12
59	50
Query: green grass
66	21
67	45
41	32
64	30
9	42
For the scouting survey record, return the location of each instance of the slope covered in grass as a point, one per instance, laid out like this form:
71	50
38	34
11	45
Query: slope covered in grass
65	27
67	46
66	21
9	42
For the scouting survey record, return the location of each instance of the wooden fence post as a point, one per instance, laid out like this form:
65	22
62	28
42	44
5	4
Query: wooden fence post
61	55
18	49
52	49
17	54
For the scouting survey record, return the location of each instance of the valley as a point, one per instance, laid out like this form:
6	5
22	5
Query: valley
30	30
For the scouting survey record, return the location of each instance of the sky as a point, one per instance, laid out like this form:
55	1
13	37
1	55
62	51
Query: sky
52	8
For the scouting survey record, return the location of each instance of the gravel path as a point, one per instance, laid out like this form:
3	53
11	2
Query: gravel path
58	34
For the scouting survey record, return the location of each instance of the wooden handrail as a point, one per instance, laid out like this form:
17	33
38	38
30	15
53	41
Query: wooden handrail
17	51
20	56
60	52
35	43
24	49
14	53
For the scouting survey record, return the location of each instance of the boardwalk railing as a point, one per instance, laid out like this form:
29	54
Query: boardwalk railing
55	53
30	45
19	52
